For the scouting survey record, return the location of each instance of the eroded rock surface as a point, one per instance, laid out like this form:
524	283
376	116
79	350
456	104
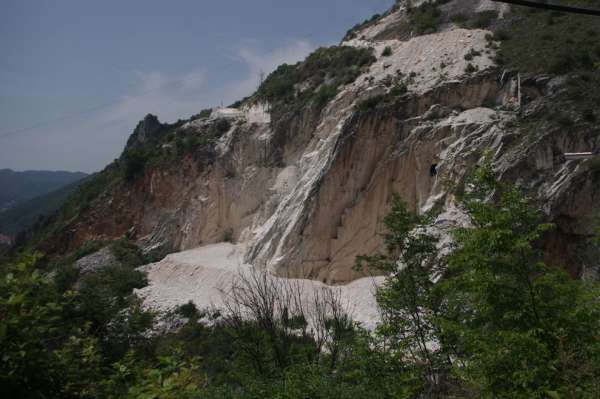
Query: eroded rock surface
304	193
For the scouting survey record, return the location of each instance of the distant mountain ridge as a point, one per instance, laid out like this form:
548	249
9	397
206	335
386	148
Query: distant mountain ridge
26	196
16	187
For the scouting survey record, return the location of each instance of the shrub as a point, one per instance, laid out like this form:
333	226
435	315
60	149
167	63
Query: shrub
472	54
188	310
484	19
204	114
134	163
387	51
425	18
370	103
127	253
470	68
399	88
223	125
324	95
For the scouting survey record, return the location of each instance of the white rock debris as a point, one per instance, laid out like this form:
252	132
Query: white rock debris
202	275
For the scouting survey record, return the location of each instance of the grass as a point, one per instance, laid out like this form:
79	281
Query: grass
480	20
547	42
551	42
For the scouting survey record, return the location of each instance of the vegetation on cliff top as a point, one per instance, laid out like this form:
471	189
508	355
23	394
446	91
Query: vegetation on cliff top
316	79
554	43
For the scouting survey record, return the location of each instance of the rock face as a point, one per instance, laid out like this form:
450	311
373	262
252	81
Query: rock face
305	193
146	129
95	262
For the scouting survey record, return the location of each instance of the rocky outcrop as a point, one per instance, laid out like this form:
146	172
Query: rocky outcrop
147	129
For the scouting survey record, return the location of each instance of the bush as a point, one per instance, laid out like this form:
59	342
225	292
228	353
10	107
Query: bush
222	126
470	68
399	89
324	95
370	103
571	48
387	51
425	18
188	310
134	163
322	73
127	253
204	114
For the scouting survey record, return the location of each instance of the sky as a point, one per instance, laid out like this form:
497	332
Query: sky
77	75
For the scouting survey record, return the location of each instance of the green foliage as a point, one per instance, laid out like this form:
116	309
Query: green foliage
472	54
400	88
42	356
134	163
387	51
521	328
127	253
188	310
321	74
556	43
370	103
499	323
480	20
410	260
470	68
204	114
426	18
167	377
325	94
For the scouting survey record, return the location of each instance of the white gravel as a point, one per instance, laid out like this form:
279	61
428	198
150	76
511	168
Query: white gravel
200	275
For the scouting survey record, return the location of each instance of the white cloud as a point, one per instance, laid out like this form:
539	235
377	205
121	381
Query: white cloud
263	62
168	96
194	79
89	141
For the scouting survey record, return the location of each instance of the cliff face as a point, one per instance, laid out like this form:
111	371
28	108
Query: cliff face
304	192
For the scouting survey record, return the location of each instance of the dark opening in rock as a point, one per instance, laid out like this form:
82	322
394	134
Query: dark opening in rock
433	170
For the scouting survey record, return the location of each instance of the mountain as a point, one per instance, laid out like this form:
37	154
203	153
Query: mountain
455	143
301	173
16	187
25	214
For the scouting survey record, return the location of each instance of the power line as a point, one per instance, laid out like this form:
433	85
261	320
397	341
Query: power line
552	7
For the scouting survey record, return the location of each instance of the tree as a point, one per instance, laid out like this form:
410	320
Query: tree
44	353
407	301
520	327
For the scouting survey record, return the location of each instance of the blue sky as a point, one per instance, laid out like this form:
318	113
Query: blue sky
76	75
